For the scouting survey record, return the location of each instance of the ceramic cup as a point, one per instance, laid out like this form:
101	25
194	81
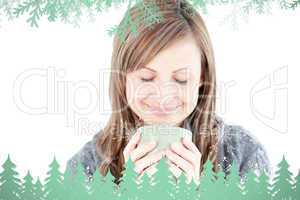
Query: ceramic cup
163	134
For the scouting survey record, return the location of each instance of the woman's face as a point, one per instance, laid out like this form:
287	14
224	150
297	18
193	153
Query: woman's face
166	89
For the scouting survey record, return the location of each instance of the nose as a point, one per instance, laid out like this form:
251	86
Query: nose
165	99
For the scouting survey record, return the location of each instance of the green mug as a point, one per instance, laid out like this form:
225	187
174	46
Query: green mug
163	134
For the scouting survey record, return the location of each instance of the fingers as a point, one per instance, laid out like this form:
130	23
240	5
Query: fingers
142	150
197	158
151	170
181	163
147	161
174	169
186	156
194	158
191	146
133	142
183	152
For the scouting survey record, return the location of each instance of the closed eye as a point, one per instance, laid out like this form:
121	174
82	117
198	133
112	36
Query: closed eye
179	81
146	80
182	82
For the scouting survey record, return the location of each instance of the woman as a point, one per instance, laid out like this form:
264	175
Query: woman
166	74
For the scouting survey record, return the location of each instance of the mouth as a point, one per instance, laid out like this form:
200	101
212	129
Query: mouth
158	111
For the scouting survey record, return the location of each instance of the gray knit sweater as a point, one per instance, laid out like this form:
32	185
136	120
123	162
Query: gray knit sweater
236	143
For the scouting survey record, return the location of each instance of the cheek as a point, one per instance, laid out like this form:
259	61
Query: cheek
136	93
190	93
190	98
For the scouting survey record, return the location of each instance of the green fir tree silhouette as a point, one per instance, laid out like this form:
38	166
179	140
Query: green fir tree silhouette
182	185
296	187
28	187
265	191
53	182
10	182
160	186
252	186
194	192
68	180
38	190
282	182
219	186
233	183
207	184
79	183
129	181
174	190
109	187
162	179
96	186
186	190
146	189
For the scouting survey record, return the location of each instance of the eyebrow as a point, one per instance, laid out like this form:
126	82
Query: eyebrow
177	70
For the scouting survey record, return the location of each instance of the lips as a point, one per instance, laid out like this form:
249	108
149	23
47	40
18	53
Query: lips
165	110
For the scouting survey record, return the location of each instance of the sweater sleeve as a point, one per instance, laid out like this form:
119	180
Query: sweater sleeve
256	158
247	151
87	157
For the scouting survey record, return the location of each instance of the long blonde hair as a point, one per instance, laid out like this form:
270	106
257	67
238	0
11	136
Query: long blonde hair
179	19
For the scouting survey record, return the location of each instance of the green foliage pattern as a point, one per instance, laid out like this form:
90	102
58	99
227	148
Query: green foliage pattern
71	11
213	186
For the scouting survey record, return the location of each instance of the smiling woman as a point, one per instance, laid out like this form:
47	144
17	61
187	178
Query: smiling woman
170	91
169	78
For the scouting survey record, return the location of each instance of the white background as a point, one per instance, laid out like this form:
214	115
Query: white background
257	62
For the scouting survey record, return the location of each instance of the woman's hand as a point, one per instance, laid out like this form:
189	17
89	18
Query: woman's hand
143	155
184	157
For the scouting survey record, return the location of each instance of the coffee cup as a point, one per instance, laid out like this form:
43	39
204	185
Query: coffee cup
163	134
